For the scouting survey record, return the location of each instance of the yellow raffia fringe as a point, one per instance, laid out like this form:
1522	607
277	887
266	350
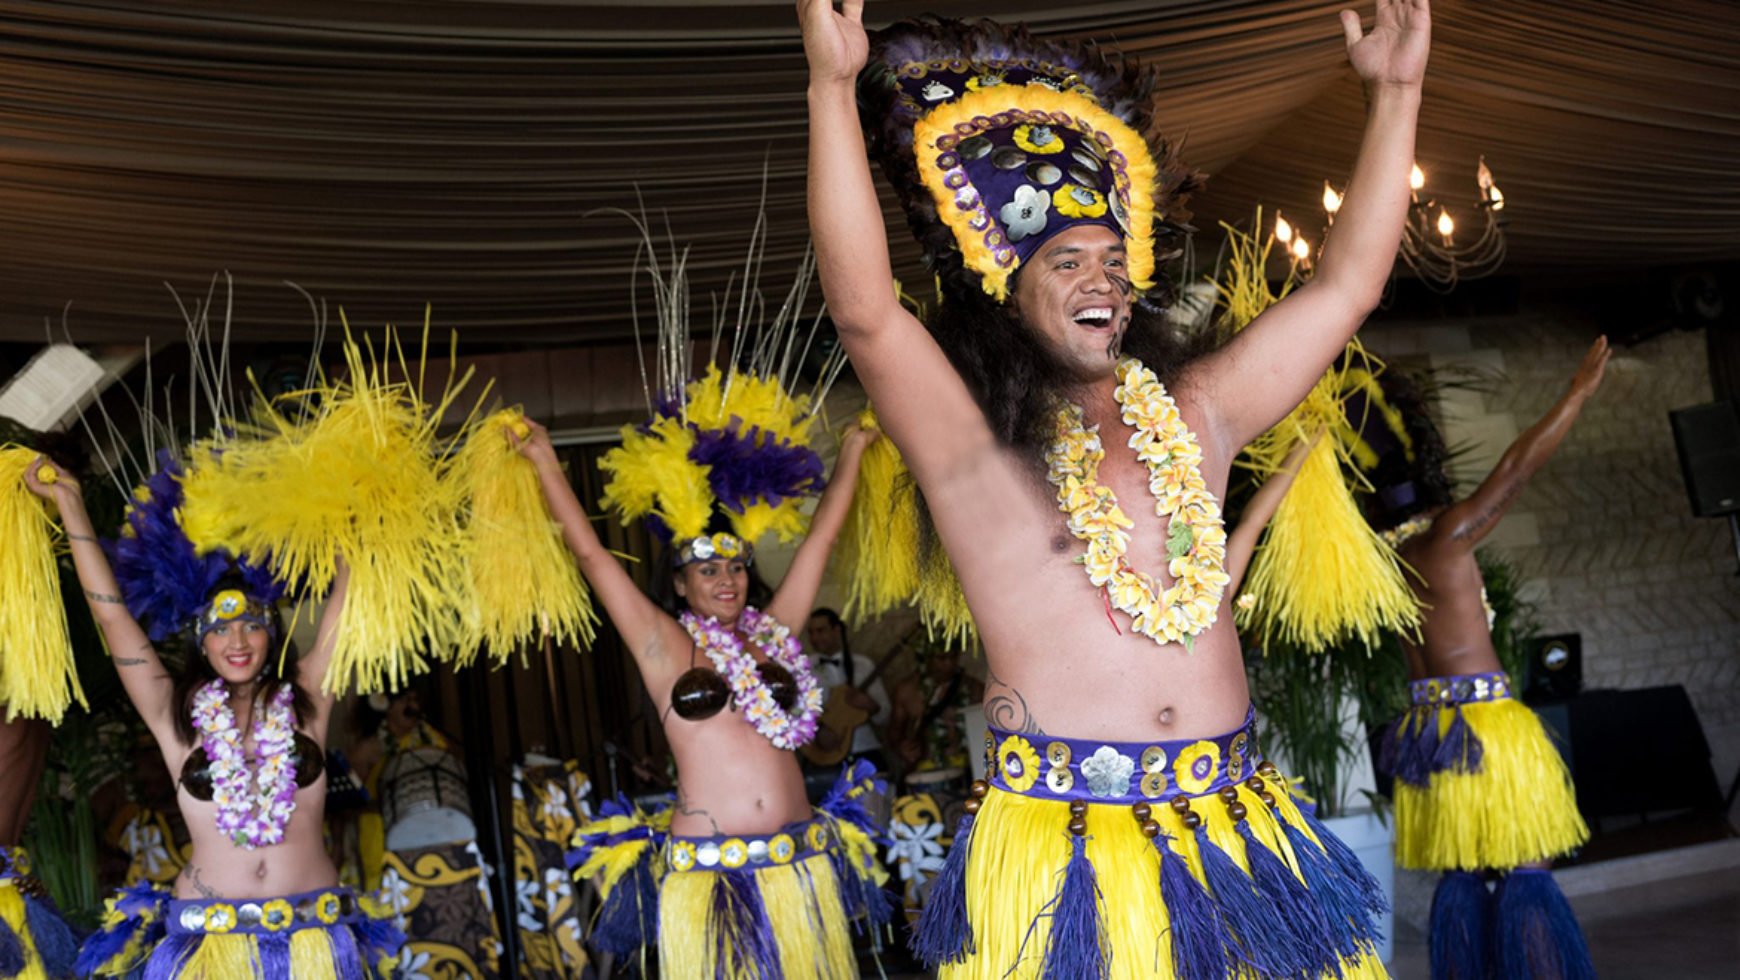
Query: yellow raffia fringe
1321	575
1519	808
878	553
37	679
1035	97
521	578
361	480
1019	849
12	916
803	904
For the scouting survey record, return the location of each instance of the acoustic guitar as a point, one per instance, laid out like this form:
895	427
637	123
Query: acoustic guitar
840	715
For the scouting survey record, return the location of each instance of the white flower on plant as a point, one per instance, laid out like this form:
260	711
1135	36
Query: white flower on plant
1025	213
1108	771
916	849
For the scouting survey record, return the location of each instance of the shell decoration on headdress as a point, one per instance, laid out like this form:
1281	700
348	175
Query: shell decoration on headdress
996	141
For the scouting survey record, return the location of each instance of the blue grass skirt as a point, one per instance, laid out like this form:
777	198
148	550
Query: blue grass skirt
318	935
739	906
1479	784
35	942
1188	859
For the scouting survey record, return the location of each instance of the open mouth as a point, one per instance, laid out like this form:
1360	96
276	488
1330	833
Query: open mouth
239	659
1094	317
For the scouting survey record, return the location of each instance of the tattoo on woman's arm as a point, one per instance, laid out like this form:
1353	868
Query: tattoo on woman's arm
102	597
129	661
81	537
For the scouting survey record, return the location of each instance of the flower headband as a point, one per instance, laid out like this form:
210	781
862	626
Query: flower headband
709	547
234	605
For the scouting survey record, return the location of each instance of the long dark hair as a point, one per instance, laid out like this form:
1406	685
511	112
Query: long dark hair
282	660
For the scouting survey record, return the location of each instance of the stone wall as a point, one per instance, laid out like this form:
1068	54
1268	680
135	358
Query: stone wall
1604	534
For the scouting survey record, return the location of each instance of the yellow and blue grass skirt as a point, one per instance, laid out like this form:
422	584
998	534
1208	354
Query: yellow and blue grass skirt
739	907
1479	784
318	935
35	942
1180	859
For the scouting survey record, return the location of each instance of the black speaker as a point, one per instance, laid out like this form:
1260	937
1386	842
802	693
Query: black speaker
1555	668
1708	440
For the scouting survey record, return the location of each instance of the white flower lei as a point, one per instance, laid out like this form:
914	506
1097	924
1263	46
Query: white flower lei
737	666
1196	540
253	807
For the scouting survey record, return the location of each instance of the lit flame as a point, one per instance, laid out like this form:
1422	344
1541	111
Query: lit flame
1283	230
1445	225
1483	176
1496	196
1416	178
1301	251
1331	200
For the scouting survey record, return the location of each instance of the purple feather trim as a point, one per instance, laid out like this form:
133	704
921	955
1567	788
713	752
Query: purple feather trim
1538	935
164	581
1077	948
11	952
1461	923
744	945
945	932
1194	928
135	903
750	466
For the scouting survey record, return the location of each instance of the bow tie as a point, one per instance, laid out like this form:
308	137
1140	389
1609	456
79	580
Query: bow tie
837	659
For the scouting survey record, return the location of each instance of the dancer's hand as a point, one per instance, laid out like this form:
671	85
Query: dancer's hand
1394	53
1589	373
49	481
834	43
534	445
861	435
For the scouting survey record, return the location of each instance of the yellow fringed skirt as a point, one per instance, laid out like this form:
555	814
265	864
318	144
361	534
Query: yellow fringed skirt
709	926
1479	784
1168	859
35	942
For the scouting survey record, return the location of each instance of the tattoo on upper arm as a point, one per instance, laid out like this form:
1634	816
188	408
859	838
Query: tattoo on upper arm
1480	522
1009	711
102	597
81	537
129	661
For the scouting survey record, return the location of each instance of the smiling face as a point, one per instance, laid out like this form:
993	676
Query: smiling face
237	650
718	588
1074	292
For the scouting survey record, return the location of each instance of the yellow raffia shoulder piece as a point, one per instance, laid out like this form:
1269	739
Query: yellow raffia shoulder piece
360	479
1033	97
521	579
37	679
1320	575
879	555
651	473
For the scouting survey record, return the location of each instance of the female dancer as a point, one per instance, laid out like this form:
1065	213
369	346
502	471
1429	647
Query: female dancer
735	697
242	726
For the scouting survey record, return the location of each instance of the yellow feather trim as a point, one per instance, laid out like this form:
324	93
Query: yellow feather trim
1321	575
522	582
37	679
1034	97
362	480
879	556
651	473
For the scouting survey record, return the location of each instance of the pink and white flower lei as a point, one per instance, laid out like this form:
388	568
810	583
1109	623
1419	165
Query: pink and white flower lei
254	802
737	666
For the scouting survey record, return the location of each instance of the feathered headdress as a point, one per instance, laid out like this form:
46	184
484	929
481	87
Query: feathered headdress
729	441
165	581
996	141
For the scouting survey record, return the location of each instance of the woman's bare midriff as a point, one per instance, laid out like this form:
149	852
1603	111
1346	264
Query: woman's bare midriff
731	779
219	868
